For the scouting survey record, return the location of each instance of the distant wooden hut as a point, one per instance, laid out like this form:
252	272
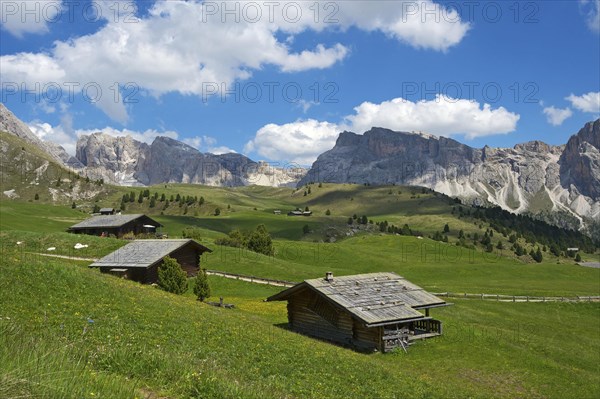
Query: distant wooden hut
139	260
117	225
366	311
107	211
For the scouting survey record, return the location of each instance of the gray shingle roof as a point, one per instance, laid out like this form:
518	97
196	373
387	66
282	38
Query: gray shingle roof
374	298
101	221
144	253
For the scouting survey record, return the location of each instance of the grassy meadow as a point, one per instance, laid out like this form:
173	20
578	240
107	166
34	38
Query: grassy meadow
68	331
83	334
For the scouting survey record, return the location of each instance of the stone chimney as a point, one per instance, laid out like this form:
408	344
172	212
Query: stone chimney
329	276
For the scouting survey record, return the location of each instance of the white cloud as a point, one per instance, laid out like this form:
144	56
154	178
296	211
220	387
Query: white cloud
220	150
589	102
185	46
591	9
58	135
66	136
302	141
207	144
21	17
442	116
421	24
556	116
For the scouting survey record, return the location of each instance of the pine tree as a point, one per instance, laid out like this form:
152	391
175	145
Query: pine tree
327	212
141	198
163	197
152	202
305	229
446	228
73	205
201	286
538	255
171	277
37	197
260	241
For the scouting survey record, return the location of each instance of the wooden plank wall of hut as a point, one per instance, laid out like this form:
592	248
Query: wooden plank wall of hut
189	259
307	321
365	337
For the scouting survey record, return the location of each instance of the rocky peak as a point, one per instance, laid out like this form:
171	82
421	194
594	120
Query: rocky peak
13	125
580	161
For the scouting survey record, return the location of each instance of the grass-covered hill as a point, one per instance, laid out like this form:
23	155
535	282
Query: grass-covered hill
29	174
67	331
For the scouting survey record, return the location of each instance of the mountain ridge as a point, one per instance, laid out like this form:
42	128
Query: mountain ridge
557	183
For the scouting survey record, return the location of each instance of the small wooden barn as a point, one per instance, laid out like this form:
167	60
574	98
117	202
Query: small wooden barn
107	211
366	311
116	224
139	260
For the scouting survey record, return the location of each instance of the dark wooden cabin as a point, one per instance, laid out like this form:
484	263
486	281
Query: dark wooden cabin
117	225
379	311
107	211
139	260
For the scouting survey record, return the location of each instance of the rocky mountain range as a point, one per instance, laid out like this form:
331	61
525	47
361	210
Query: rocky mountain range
125	161
129	162
560	184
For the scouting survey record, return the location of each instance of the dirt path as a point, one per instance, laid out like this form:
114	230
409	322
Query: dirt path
64	257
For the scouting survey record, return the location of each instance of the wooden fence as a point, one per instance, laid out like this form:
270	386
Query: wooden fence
517	298
252	279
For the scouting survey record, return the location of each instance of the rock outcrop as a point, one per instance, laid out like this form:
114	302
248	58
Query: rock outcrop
558	183
125	161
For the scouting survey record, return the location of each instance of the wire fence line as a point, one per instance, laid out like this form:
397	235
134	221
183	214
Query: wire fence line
518	298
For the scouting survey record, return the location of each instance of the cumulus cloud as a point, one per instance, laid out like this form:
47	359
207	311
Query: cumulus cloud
184	46
207	144
22	17
442	116
589	102
556	116
591	10
56	134
302	141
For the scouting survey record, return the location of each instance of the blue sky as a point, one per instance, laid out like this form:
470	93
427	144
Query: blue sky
279	80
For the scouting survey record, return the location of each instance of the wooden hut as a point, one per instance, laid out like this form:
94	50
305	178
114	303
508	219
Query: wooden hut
367	311
139	260
117	225
107	211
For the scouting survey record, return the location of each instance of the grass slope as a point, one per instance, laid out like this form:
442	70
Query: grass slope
114	338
